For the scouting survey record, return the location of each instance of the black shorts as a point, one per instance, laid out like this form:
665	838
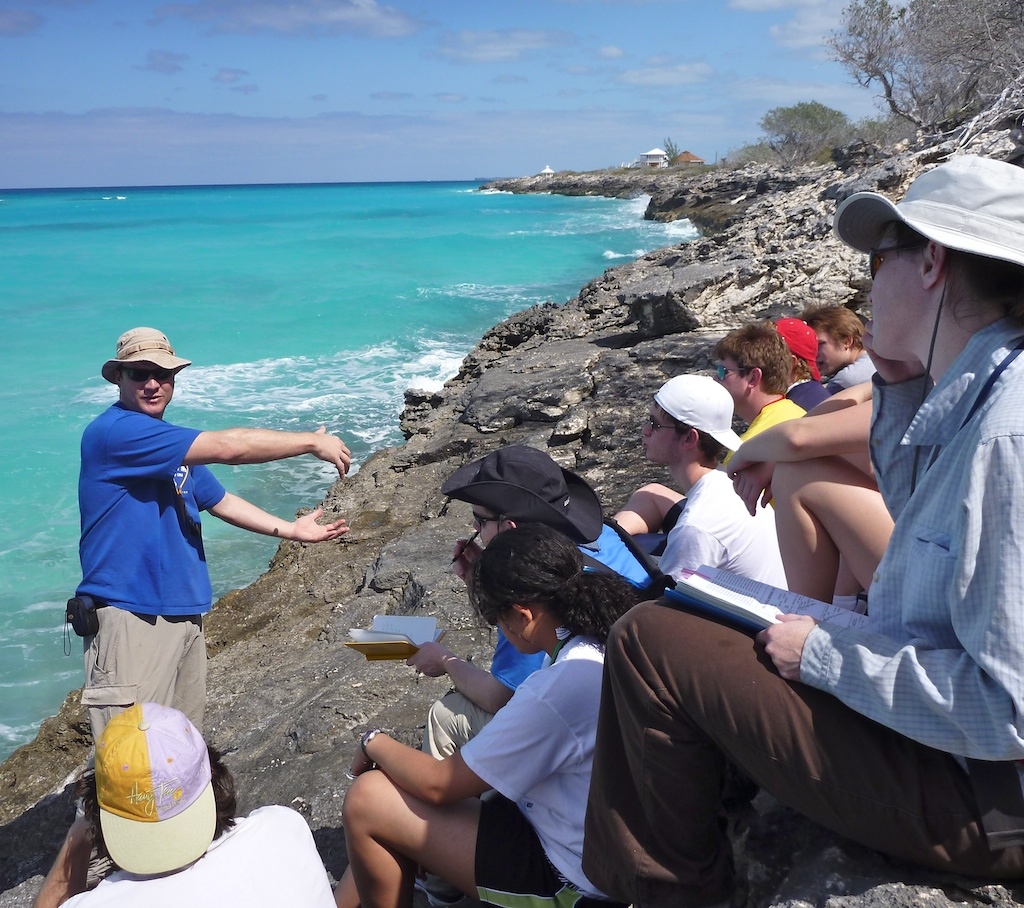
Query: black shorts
512	870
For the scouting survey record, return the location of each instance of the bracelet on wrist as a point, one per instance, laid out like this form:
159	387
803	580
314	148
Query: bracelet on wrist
367	737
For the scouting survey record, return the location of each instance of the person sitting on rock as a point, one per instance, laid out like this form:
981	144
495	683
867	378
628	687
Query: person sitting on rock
513	486
905	735
832	522
161	804
841	353
755	366
689	430
805	388
525	838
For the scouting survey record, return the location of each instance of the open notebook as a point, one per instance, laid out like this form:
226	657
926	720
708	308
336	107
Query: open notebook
394	636
750	603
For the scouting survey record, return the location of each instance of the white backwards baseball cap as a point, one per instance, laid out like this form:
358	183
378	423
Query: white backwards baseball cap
700	402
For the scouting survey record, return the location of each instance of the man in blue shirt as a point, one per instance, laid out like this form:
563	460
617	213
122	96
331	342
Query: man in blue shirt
142	486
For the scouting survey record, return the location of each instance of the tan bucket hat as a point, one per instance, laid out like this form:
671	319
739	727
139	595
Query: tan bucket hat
143	345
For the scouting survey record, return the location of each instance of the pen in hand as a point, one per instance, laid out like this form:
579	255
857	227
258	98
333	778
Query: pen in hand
466	546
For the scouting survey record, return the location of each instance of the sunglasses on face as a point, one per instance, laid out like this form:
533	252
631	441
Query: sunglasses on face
144	375
721	371
877	256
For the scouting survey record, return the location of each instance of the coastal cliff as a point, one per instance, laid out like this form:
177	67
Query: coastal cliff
287	699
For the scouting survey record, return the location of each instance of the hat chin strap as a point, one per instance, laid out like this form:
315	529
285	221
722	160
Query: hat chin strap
928	371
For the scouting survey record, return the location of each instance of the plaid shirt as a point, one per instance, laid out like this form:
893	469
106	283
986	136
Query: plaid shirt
942	660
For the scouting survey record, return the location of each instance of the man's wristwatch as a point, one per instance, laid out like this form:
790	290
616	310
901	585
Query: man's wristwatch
368	736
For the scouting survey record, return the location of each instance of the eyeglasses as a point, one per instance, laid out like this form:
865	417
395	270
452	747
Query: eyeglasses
654	426
721	371
479	520
144	375
877	256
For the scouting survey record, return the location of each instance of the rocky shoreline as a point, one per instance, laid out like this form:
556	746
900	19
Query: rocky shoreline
287	699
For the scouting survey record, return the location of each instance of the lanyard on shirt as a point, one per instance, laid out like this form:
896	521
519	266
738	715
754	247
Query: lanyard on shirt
979	400
993	378
558	647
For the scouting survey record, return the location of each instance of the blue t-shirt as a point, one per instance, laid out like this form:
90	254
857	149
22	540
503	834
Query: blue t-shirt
141	549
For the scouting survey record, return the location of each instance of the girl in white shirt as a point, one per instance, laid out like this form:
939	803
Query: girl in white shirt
535	755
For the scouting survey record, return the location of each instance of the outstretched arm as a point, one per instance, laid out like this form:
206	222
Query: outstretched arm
67	876
241	513
239	446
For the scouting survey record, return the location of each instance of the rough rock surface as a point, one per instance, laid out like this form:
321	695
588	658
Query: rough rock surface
287	699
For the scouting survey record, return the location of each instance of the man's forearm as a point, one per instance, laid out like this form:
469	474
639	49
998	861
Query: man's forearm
245	446
242	446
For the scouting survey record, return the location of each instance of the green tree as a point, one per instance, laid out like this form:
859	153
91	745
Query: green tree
800	133
672	150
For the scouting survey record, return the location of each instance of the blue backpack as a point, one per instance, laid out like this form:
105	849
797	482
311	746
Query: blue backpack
615	550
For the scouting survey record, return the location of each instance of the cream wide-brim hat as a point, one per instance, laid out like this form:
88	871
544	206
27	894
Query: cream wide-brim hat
969	204
143	345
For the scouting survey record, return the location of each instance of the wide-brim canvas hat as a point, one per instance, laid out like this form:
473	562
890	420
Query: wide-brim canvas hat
970	204
527	486
155	791
143	345
701	403
802	342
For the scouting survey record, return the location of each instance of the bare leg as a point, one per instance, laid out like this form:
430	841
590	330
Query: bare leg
823	508
646	509
846	583
388	832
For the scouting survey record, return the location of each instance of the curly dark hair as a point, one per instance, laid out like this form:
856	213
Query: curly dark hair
223	794
536	565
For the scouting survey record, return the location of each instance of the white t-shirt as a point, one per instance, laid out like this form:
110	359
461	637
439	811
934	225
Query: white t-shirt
538	751
716	529
267	860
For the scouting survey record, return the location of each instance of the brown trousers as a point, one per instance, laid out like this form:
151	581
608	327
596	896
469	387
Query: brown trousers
681	695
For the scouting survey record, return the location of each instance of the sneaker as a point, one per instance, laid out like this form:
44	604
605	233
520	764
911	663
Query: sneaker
439	893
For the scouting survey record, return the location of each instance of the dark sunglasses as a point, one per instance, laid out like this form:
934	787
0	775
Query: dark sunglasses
877	256
144	375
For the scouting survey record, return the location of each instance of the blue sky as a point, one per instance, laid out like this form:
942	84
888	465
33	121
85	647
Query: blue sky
135	92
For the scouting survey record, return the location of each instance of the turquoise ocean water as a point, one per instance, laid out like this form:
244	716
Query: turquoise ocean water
299	306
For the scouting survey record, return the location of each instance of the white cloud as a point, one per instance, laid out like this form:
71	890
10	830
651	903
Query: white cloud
229	76
164	61
450	97
16	23
299	17
664	74
501	45
809	28
391	95
611	52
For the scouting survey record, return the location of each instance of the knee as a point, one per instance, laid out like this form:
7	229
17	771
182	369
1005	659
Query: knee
363	801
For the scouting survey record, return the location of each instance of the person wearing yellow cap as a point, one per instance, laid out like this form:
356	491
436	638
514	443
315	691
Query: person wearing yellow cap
142	486
161	804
